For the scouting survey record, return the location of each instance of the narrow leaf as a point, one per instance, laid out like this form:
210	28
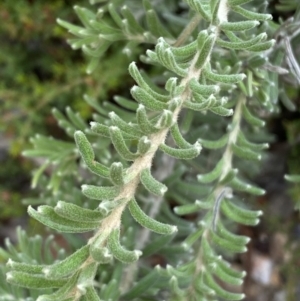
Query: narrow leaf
144	123
252	119
100	192
67	266
87	154
143	97
213	175
183	154
148	222
118	251
47	216
224	78
120	144
227	245
151	184
116	173
33	281
220	291
243	212
76	213
238	26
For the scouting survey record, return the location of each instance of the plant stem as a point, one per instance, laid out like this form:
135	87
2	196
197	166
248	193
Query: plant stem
186	33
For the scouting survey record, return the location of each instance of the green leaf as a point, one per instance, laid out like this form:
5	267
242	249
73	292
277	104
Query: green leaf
165	120
25	267
143	97
100	129
67	266
177	137
128	104
197	6
107	206
130	128
213	175
87	154
220	291
155	26
262	46
221	273
33	281
185	53
148	222
100	254
63	122
117	174
76	30
100	193
144	145
93	64
183	154
243	212
216	144
256	61
240	185
238	2
224	78
133	26
238	26
231	237
120	144
246	45
167	58
114	14
85	15
205	90
192	208
62	293
118	251
227	245
250	118
76	119
144	123
245	153
76	213
242	141
151	184
47	216
192	238
87	275
222	111
215	7
171	85
251	15
200	105
292	178
134	72
205	51
225	266
286	101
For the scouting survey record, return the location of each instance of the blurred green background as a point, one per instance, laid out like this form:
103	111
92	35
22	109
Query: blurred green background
39	71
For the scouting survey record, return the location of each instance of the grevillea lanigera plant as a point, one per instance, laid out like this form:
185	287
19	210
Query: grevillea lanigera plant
186	146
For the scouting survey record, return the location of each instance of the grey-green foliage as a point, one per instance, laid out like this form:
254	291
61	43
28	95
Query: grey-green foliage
200	102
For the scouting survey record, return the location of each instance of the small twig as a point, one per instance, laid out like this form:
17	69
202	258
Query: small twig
185	34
